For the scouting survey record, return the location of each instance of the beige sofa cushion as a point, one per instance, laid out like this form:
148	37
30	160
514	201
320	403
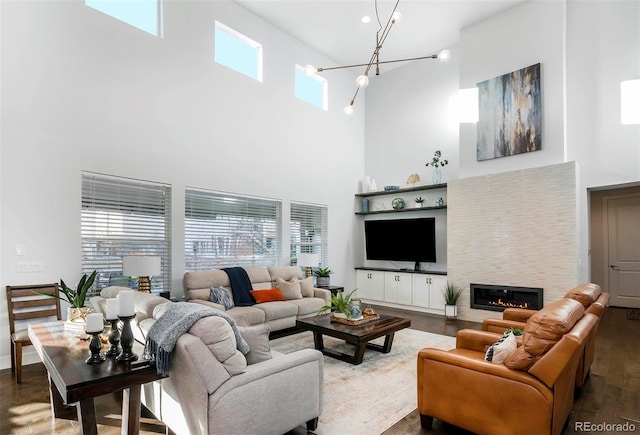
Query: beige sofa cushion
290	289
285	272
216	333
258	338
306	286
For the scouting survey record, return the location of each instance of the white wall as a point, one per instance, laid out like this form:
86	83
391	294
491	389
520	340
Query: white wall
585	50
82	91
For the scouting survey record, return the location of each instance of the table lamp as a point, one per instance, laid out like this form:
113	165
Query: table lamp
143	267
308	261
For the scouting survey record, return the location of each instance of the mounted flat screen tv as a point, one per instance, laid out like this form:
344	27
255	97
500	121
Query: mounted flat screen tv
401	240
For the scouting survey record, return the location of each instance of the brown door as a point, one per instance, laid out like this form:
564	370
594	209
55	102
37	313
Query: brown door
623	250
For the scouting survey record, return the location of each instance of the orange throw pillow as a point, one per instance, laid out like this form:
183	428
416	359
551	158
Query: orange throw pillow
271	295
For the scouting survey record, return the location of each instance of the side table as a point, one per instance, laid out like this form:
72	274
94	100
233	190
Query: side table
334	289
72	381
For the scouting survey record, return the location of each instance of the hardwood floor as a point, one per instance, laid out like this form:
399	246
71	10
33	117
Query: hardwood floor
611	395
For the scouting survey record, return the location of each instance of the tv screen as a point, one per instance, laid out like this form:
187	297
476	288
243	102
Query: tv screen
401	239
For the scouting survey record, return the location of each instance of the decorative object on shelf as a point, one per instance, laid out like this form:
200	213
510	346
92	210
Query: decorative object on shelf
439	202
142	266
413	179
308	260
366	184
398	203
340	303
322	276
373	187
368	311
437	162
365	205
419	201
451	293
95	325
362	81
391	187
356	309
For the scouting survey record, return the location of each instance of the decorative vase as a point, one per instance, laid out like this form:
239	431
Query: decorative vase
356	309
436	175
365	205
77	318
322	281
418	205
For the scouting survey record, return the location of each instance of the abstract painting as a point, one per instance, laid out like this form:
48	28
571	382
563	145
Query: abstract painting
510	114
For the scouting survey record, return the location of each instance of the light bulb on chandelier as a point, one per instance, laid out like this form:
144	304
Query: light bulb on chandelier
362	81
310	69
444	56
395	18
348	109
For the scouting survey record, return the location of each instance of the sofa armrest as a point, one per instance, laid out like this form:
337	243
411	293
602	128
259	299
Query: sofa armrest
500	325
291	382
478	341
517	314
207	303
322	294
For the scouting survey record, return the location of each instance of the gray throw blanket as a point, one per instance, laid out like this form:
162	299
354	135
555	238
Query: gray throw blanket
178	318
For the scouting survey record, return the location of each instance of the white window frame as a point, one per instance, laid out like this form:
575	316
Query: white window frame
245	39
124	216
316	219
317	77
226	229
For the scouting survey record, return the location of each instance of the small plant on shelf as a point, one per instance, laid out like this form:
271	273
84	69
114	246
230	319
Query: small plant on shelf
340	303
451	293
419	200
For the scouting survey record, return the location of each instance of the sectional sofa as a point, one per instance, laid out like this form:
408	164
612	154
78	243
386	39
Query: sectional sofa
212	387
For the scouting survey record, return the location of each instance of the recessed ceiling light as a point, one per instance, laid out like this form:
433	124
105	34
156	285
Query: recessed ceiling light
365	19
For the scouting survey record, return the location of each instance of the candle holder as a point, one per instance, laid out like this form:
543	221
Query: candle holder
95	346
114	339
126	340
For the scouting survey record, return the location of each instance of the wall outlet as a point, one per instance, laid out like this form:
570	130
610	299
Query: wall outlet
29	266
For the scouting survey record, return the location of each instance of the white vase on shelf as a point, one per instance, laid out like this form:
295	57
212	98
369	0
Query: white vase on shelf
372	186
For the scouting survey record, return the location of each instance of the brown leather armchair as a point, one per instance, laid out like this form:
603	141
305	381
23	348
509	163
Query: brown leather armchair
589	295
458	386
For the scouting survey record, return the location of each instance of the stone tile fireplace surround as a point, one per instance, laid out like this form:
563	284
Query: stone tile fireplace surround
516	228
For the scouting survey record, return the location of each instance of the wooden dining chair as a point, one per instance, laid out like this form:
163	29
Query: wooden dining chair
25	303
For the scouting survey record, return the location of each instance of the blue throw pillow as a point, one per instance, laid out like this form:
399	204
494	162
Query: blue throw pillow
221	296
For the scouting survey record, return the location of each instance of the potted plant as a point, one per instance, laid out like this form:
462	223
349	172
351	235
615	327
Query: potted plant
516	331
419	200
322	276
77	312
340	305
451	293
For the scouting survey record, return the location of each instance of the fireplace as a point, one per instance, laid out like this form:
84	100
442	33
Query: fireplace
499	297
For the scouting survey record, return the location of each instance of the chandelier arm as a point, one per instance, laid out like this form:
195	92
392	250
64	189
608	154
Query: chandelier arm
433	56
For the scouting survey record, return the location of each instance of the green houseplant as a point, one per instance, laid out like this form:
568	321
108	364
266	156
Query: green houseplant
75	297
322	276
419	200
451	293
340	303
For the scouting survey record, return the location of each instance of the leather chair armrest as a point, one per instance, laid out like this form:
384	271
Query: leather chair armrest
478	341
500	325
517	314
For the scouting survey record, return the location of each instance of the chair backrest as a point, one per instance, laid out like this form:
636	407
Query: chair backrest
26	302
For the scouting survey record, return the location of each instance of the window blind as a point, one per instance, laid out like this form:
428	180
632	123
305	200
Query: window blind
223	230
120	217
309	229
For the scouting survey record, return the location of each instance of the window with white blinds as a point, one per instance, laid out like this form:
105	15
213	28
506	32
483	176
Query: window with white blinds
223	230
309	229
120	217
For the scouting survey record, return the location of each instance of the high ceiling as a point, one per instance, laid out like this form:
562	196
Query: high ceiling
334	28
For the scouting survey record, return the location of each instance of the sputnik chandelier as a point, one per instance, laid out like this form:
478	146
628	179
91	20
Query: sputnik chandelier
362	81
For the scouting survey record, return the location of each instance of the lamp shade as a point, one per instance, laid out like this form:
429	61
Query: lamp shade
308	260
140	265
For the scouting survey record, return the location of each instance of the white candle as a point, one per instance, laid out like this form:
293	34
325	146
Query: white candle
95	323
126	306
112	309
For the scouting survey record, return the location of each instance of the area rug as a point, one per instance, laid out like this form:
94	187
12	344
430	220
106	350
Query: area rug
633	314
371	397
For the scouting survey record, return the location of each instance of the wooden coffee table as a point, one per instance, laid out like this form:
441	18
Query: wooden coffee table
71	380
358	335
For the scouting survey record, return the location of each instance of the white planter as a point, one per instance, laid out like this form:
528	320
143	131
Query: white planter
419	204
450	311
77	318
339	315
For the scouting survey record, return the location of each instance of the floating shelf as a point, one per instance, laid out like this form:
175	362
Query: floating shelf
404	190
403	210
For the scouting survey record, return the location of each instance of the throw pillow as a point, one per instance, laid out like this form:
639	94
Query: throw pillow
498	351
221	296
306	287
258	338
269	295
290	289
